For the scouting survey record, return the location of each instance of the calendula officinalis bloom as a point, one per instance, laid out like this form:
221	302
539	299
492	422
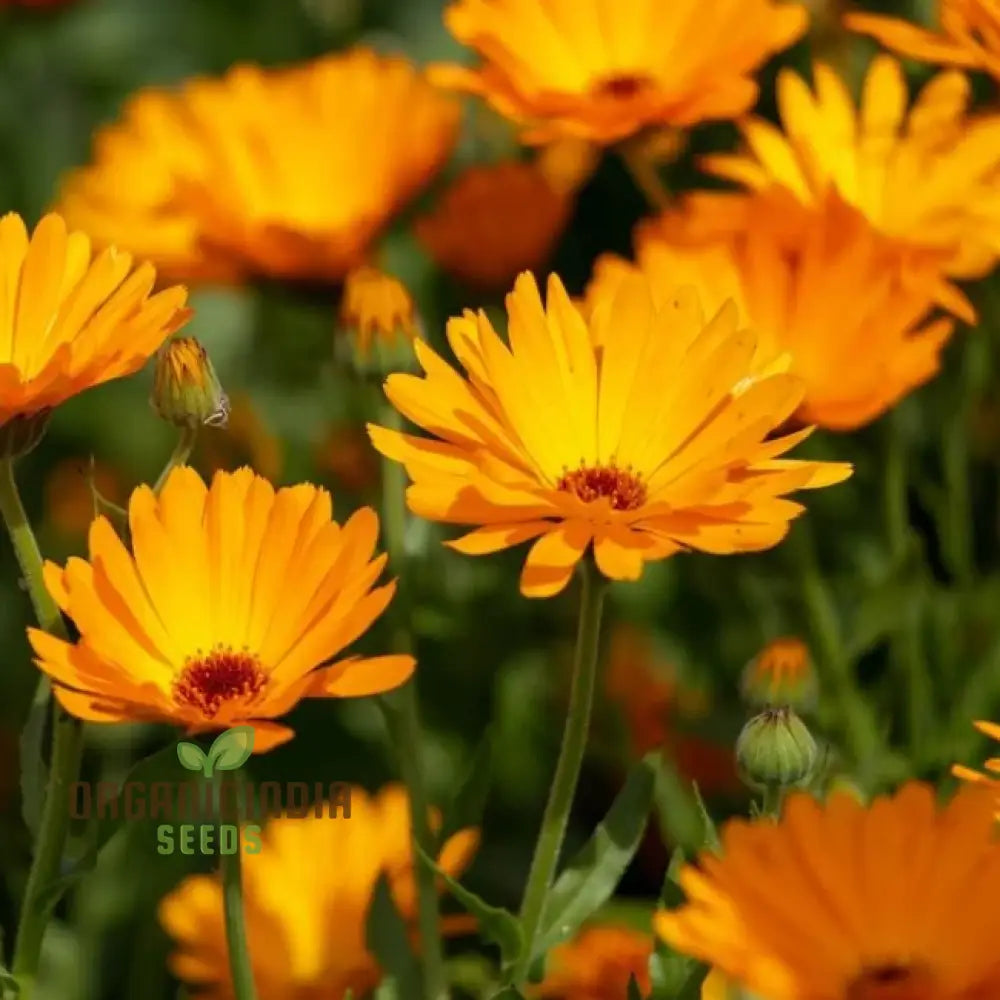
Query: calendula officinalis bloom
842	901
197	626
378	320
968	35
495	221
786	266
926	176
991	767
597	965
781	673
70	320
306	921
288	173
605	69
655	443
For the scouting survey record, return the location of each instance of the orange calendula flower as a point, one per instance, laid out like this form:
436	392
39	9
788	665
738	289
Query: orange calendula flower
991	777
656	443
306	920
597	965
198	627
925	177
969	35
781	674
494	222
70	320
288	173
604	69
839	901
786	267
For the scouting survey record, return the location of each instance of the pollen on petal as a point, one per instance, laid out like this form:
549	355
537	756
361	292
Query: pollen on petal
622	487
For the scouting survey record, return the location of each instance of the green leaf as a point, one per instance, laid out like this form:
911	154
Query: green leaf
191	756
634	993
594	874
495	924
34	773
674	976
710	835
677	812
508	993
387	939
671	894
467	807
231	749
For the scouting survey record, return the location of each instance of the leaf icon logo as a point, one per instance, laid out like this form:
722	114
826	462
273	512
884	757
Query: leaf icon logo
231	750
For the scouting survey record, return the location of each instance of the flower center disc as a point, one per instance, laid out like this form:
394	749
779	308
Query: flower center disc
621	86
210	680
893	982
622	487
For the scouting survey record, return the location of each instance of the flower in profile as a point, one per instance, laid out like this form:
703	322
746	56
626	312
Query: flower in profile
991	767
198	627
288	173
597	964
969	35
378	320
72	320
70	503
656	443
781	674
655	705
924	177
305	920
786	266
494	222
246	439
605	69
186	390
841	901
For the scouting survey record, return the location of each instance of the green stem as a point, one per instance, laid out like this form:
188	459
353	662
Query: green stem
858	724
771	801
404	719
67	748
550	839
180	455
958	523
240	966
646	175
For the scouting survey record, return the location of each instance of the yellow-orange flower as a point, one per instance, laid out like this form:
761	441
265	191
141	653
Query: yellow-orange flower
926	177
597	965
991	767
70	320
840	901
655	443
246	439
781	674
494	222
787	267
604	69
282	172
306	896
198	626
969	35
377	316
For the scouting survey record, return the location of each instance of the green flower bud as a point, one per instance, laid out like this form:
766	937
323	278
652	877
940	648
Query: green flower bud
186	391
776	750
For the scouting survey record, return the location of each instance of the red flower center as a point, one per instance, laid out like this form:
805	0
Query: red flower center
894	982
207	681
622	487
622	86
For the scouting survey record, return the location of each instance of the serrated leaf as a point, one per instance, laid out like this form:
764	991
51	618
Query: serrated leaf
634	993
34	772
469	804
191	756
495	924
388	941
231	749
594	874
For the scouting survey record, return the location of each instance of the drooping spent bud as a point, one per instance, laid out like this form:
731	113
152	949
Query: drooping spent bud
781	674
776	750
186	390
378	321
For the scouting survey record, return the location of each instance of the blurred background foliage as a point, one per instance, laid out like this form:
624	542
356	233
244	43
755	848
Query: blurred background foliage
895	591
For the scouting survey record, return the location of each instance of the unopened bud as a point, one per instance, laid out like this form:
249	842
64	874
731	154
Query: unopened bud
186	390
781	674
378	323
776	750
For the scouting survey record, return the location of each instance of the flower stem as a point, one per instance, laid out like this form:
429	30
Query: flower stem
645	174
67	748
181	453
404	718
550	839
771	801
